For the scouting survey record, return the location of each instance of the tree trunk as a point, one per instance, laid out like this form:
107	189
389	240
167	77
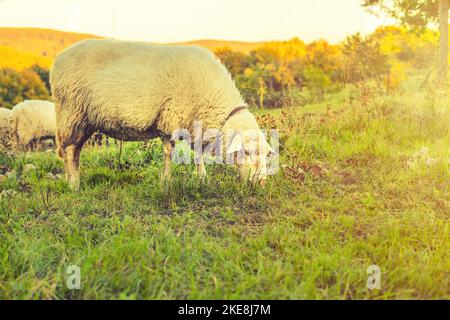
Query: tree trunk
443	43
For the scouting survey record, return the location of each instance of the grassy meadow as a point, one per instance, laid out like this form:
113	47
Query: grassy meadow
364	180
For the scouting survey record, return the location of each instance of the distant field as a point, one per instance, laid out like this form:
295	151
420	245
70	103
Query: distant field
364	180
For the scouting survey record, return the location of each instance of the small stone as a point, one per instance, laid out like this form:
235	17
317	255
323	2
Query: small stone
11	173
50	176
7	193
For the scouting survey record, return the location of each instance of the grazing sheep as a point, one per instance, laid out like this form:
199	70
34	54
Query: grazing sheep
6	132
33	122
137	91
98	140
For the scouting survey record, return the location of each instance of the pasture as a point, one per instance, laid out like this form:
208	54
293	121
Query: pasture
364	180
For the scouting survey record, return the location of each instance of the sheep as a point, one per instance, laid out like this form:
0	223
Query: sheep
137	91
98	140
33	122
6	132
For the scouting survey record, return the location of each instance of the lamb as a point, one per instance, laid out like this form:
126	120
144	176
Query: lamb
6	132
137	91
33	122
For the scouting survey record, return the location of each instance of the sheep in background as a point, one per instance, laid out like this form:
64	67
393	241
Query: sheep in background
33	121
6	130
98	140
137	91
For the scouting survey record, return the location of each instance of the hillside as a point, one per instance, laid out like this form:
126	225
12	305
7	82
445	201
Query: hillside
216	44
21	48
43	42
11	57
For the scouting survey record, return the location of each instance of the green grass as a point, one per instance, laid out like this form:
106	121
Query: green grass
364	180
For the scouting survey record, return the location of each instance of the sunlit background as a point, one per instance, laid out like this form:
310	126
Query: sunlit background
357	210
178	20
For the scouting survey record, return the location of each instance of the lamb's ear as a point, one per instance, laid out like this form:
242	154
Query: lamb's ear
236	144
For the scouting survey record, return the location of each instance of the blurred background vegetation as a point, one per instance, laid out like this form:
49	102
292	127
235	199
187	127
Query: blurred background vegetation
269	75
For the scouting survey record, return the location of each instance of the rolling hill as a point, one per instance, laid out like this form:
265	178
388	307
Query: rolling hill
21	48
43	42
216	44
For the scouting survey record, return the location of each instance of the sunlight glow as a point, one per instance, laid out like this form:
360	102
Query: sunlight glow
178	20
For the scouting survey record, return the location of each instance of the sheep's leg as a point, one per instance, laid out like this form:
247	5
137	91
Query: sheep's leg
201	171
168	146
31	146
71	155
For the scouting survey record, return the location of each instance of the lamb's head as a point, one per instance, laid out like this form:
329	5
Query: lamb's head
247	148
250	152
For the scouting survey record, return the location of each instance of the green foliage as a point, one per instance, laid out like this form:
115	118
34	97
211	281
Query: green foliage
413	13
317	81
363	59
399	44
235	61
44	74
17	86
269	75
292	73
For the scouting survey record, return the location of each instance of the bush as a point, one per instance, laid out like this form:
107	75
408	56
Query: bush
18	86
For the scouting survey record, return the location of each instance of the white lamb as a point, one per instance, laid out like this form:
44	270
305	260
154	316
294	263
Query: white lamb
6	130
33	122
137	91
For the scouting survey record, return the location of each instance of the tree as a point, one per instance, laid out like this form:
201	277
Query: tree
43	73
363	60
418	14
236	62
18	86
443	42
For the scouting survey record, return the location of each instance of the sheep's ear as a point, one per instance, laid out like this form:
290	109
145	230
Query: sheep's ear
236	144
271	151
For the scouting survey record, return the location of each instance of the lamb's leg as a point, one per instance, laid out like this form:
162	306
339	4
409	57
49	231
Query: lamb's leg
168	146
201	171
71	156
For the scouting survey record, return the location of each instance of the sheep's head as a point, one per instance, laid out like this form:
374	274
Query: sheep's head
251	153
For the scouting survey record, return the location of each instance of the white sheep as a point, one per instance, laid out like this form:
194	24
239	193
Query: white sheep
33	122
6	130
137	91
